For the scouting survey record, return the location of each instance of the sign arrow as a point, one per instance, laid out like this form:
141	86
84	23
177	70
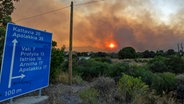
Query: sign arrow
21	76
12	62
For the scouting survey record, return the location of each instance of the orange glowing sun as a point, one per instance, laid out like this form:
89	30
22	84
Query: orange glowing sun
111	45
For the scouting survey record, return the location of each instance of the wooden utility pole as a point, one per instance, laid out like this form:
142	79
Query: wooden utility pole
70	45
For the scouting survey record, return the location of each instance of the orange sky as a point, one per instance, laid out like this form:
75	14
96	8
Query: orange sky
142	24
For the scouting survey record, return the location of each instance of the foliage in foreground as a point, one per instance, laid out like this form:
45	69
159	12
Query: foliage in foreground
158	76
89	96
161	82
132	87
89	69
164	82
57	58
63	78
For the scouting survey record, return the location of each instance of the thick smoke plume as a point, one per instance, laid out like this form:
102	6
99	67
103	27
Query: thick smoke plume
133	23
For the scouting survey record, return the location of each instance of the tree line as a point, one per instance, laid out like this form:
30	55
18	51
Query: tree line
130	52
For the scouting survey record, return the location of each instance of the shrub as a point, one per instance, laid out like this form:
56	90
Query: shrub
143	73
180	86
157	64
180	79
153	98
176	64
169	81
89	69
57	57
77	79
63	78
132	87
106	87
103	84
89	96
164	82
117	69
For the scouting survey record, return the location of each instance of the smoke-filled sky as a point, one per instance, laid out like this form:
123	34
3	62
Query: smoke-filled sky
142	24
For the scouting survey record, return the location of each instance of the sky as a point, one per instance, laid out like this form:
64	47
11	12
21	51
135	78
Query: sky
141	24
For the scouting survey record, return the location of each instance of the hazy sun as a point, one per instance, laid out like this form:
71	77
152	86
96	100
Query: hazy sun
111	45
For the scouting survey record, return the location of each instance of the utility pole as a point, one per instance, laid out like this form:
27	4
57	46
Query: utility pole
70	46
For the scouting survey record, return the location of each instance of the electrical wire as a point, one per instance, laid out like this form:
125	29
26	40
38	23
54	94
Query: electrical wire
41	14
90	2
48	12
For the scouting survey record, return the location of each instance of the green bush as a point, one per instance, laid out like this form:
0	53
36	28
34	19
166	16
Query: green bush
164	82
63	78
158	64
132	87
89	96
176	64
57	58
77	79
89	69
143	73
117	69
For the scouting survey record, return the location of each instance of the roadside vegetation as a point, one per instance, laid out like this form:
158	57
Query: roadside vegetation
158	80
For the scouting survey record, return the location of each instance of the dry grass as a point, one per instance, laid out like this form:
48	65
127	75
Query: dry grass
152	98
63	78
138	61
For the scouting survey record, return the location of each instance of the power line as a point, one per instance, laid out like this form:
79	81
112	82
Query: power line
90	2
41	14
48	12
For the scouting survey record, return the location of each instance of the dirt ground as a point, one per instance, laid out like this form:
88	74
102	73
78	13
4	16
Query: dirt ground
64	94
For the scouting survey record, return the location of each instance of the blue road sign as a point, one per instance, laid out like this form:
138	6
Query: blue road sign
26	61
